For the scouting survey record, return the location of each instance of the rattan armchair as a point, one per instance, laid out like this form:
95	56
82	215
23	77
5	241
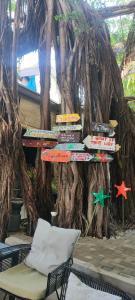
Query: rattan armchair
94	283
11	258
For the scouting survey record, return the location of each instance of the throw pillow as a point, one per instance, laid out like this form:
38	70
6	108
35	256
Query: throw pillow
77	290
51	247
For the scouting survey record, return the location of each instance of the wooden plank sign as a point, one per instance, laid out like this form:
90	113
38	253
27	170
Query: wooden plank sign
76	156
113	123
41	133
38	143
102	157
102	127
70	147
73	137
67	118
100	143
56	156
67	128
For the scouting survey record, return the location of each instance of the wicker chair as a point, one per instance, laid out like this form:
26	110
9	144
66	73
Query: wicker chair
94	283
10	260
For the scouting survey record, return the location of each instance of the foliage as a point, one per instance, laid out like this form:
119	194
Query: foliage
129	85
131	104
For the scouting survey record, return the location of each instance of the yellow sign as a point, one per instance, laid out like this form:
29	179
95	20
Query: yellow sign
67	118
113	123
117	147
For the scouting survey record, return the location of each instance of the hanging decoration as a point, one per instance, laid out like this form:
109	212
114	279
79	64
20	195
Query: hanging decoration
122	190
100	197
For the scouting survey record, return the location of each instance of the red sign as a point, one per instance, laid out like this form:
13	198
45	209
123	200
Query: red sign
56	156
102	157
38	143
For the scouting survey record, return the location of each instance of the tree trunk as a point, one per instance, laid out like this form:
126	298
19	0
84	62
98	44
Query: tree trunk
11	152
44	204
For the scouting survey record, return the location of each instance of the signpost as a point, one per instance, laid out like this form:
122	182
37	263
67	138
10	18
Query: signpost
102	157
41	134
67	118
113	123
56	156
38	143
103	127
67	128
100	143
73	137
81	156
70	147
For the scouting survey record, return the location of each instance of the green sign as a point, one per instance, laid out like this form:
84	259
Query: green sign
67	128
70	147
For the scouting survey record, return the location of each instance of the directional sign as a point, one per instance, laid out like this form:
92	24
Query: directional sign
72	137
41	134
113	123
100	142
38	143
55	156
70	147
67	118
102	127
102	157
76	156
117	147
67	128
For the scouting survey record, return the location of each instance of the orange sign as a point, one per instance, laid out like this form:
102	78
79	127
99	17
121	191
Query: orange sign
56	155
67	118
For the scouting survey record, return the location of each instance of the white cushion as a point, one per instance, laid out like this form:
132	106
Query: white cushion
77	290
51	247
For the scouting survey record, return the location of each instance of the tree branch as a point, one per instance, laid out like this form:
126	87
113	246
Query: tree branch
114	11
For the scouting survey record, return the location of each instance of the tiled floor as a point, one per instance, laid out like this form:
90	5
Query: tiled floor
114	258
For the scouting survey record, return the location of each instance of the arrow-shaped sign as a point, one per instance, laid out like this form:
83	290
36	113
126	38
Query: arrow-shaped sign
113	123
41	133
55	156
100	143
67	118
70	147
67	128
81	156
102	157
38	143
71	137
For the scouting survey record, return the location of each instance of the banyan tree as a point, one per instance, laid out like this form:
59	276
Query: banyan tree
90	84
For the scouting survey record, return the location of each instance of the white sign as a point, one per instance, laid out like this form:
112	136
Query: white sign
100	143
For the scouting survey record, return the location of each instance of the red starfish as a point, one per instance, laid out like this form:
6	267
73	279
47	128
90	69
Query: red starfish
122	190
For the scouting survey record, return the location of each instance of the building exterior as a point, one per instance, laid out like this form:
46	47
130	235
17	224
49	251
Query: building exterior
29	109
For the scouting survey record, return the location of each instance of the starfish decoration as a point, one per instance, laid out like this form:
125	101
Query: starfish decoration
122	190
100	197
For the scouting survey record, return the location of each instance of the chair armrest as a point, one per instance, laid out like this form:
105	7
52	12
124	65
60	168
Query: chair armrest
10	251
13	255
58	277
